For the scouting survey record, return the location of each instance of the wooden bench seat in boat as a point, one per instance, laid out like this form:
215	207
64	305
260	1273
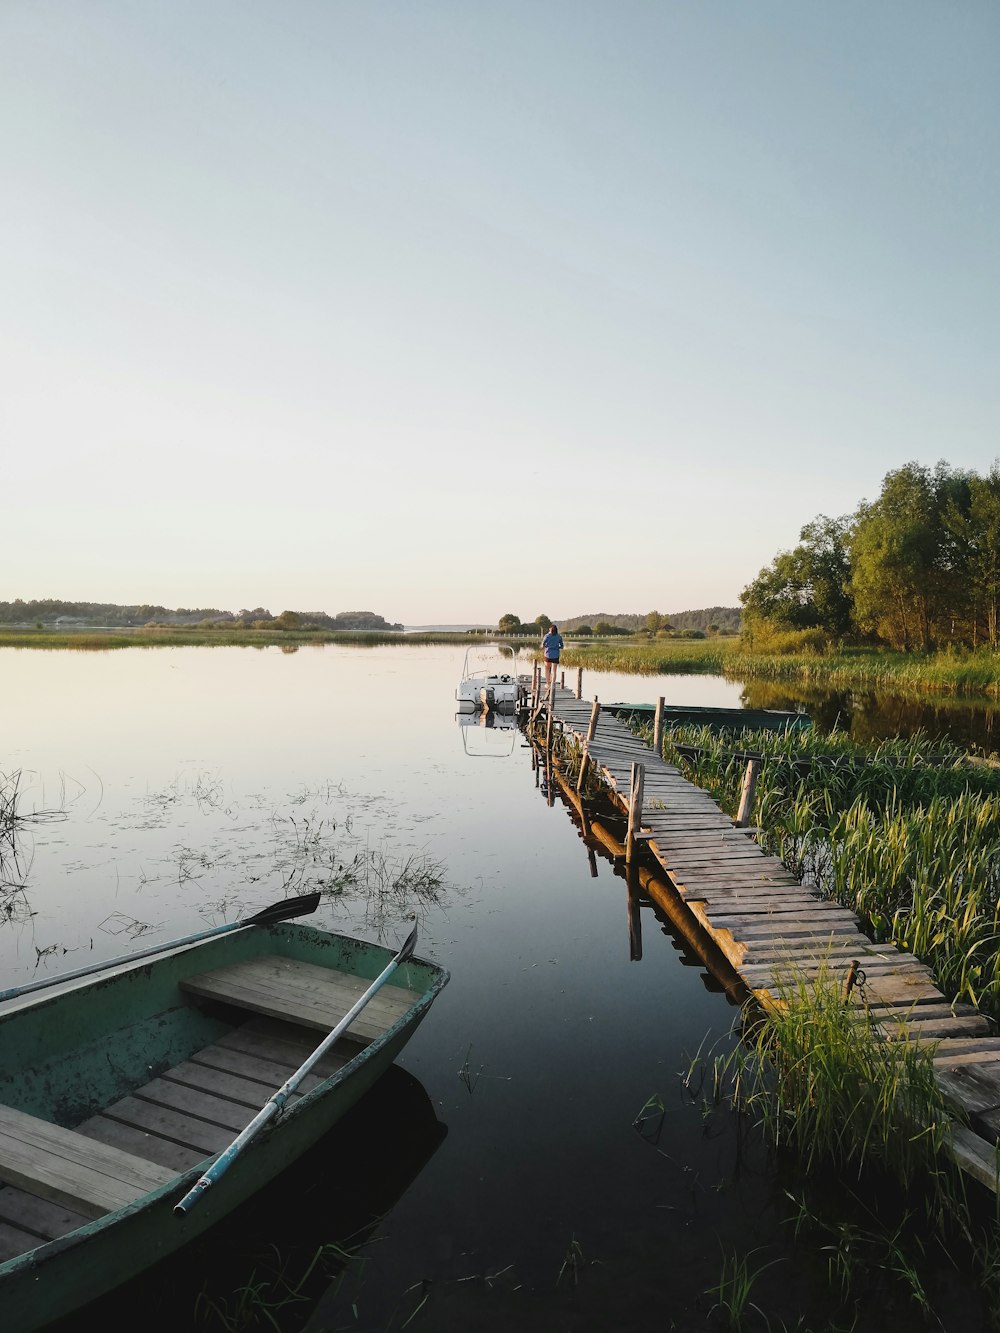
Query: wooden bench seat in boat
316	997
71	1169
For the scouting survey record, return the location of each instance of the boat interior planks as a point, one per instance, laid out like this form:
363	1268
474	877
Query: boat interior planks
172	1123
315	996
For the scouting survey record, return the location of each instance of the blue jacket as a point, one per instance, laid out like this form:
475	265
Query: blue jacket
551	645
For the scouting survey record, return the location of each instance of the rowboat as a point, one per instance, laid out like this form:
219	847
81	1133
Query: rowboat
718	719
125	1100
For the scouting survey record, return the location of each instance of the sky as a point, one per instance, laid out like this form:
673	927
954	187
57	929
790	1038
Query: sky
446	309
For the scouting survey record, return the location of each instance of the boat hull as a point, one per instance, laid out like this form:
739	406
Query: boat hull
718	719
59	1277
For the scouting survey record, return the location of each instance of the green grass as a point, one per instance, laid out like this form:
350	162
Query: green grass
969	673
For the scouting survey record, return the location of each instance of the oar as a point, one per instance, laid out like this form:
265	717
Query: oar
276	1103
281	911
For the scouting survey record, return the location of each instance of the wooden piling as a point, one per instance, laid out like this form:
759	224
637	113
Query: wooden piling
562	680
552	710
658	728
634	922
747	793
595	713
579	682
636	786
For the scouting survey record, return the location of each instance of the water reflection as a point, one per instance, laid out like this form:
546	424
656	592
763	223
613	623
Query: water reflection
871	716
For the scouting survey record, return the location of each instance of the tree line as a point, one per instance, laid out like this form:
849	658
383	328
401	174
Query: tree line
52	612
712	620
916	569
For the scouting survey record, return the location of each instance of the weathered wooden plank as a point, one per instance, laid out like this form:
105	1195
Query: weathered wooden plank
40	1217
155	1148
70	1169
14	1241
170	1124
313	996
974	1087
286	1044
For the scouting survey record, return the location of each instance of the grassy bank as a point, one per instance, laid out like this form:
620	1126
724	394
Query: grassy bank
179	637
852	668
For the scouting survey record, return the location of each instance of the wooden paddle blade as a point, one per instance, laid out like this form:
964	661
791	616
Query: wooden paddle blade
409	945
284	910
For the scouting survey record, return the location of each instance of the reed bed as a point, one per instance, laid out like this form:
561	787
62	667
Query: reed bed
156	636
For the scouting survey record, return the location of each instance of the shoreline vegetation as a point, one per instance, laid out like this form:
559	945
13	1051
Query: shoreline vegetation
952	672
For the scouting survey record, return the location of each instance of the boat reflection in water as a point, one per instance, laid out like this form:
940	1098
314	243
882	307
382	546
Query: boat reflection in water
292	1244
489	733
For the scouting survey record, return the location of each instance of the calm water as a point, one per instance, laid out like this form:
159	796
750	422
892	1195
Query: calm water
496	1180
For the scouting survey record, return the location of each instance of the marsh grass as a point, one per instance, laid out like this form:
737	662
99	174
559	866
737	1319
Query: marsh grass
733	1290
155	636
905	834
15	863
858	1115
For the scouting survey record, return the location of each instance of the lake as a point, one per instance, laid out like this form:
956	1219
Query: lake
536	1161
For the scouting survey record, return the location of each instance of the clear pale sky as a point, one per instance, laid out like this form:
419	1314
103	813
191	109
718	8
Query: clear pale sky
447	309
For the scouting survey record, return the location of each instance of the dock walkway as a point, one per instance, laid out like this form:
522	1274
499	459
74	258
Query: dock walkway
772	929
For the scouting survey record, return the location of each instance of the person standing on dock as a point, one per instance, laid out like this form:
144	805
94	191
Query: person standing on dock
552	646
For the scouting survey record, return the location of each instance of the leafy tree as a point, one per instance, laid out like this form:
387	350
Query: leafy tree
807	587
906	564
654	622
509	623
975	530
543	622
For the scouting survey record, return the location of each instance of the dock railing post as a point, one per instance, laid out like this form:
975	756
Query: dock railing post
638	781
595	713
579	682
562	680
747	793
658	728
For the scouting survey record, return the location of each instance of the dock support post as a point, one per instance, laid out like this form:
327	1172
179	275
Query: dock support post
747	793
552	709
636	786
562	680
658	728
579	682
634	923
595	713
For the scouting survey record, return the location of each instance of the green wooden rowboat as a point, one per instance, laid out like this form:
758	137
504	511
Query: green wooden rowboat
117	1092
718	719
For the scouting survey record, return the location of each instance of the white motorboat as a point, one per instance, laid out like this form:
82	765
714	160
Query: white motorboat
490	680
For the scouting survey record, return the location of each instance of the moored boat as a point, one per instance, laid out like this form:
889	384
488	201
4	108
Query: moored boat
490	679
121	1095
718	719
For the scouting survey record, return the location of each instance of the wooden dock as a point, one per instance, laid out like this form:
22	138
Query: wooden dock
773	930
